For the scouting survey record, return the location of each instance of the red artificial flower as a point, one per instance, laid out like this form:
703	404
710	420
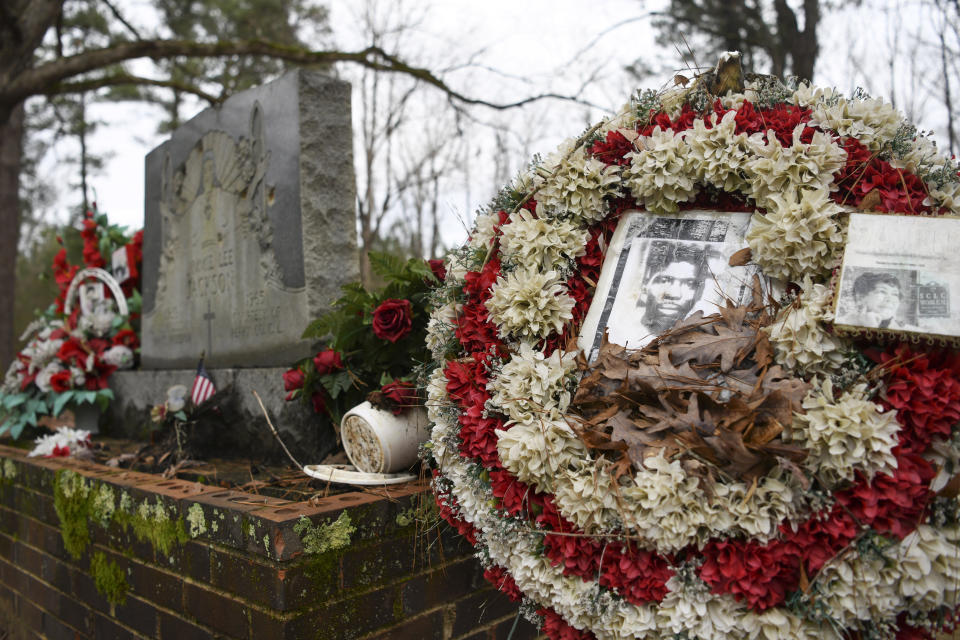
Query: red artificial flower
892	504
98	345
640	576
292	380
319	402
477	284
504	582
613	150
72	351
577	555
127	338
59	451
557	628
438	269
60	381
327	362
474	329
393	319
900	191
446	503
91	245
761	575
924	388
401	395
511	493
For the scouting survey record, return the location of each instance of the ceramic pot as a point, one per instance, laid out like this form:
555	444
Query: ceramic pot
377	441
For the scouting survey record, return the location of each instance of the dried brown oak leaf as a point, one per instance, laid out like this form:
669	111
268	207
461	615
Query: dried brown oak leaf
705	393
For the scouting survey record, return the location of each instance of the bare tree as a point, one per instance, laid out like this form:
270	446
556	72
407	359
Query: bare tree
26	70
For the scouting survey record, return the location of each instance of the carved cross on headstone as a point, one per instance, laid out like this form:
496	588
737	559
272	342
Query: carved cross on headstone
209	316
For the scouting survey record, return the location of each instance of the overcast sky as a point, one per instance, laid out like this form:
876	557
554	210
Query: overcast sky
521	47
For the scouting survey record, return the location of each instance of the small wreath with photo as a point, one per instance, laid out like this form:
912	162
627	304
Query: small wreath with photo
643	415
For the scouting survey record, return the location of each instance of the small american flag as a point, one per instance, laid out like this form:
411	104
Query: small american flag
202	386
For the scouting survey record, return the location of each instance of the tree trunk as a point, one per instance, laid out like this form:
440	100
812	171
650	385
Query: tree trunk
11	151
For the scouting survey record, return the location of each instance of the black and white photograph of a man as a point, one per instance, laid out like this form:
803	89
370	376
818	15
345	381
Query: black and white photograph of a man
661	269
673	282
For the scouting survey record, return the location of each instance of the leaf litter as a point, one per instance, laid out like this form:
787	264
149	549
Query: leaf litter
706	393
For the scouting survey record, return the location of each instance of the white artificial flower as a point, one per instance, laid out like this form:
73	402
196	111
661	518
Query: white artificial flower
719	153
807	95
854	589
798	235
43	377
41	352
64	438
663	173
119	356
845	434
578	184
537	450
529	304
775	168
98	322
532	240
77	377
532	386
929	567
440	328
13	377
799	338
871	121
483	230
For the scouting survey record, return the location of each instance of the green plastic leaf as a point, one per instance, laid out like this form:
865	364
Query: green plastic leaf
61	401
386	265
14	400
104	396
181	416
17	428
336	383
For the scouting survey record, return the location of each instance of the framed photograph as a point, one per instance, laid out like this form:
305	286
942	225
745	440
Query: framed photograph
659	269
901	276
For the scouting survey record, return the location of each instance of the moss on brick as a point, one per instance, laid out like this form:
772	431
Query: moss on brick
325	536
80	502
73	504
109	578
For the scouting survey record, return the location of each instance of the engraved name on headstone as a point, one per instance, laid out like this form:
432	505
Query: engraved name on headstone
250	226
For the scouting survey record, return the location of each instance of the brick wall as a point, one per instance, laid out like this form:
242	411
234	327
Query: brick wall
92	552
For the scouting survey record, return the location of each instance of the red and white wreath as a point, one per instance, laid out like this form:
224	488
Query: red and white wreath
832	514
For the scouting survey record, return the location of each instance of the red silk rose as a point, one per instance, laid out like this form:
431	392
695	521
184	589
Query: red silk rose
60	381
319	402
402	395
292	380
393	319
438	269
327	362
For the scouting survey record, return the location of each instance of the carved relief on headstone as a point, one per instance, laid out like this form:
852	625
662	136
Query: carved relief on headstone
226	264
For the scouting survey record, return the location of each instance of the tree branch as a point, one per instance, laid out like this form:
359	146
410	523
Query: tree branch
126	79
35	81
120	18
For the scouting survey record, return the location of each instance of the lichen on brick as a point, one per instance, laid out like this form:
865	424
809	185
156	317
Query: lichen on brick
324	537
109	578
196	520
72	502
103	504
8	470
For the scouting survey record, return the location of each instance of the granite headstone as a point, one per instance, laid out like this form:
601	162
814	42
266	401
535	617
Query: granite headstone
249	226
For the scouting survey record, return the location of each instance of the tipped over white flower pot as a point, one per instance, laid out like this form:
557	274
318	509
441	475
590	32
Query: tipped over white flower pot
377	441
